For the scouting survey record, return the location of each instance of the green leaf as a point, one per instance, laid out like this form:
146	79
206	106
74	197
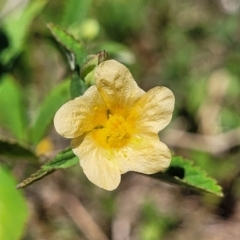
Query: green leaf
76	51
75	11
12	108
15	150
64	159
16	27
78	86
92	61
56	98
13	208
182	172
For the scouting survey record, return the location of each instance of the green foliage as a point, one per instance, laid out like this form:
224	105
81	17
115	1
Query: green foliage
64	159
195	93
76	55
12	107
53	101
180	172
75	11
153	224
14	112
13	208
84	78
75	50
15	151
224	168
183	173
87	70
16	27
173	43
121	14
78	86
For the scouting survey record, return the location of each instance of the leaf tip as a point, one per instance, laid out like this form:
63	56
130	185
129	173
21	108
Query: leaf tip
50	25
20	185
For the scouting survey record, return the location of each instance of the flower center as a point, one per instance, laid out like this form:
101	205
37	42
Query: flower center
116	128
114	134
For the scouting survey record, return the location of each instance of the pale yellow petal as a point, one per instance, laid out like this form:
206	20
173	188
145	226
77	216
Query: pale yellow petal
117	86
153	111
99	165
144	154
81	114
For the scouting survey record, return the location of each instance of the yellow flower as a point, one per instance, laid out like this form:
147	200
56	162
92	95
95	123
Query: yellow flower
114	126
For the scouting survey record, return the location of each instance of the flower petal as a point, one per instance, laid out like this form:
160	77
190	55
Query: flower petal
144	154
153	111
99	164
117	86
81	114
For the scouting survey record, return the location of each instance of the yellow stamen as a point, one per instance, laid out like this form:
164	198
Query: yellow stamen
117	128
114	134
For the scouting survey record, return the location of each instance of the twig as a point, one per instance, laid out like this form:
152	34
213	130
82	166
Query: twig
81	217
215	145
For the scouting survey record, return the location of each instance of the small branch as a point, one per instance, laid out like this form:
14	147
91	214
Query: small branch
81	217
213	144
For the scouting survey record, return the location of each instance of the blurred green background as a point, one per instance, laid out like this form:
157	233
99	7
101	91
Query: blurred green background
192	47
